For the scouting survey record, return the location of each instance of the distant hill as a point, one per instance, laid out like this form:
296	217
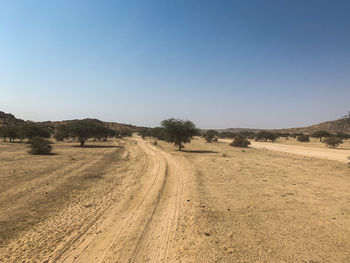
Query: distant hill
239	130
9	119
340	125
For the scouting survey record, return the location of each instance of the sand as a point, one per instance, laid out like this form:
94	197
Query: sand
132	201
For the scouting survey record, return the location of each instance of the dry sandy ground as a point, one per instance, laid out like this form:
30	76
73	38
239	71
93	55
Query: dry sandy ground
132	201
312	149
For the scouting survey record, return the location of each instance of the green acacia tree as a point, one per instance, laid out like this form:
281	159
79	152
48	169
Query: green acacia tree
83	130
179	131
333	142
320	134
210	135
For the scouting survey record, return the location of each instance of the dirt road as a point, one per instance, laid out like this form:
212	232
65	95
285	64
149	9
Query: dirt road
129	210
326	153
340	155
142	226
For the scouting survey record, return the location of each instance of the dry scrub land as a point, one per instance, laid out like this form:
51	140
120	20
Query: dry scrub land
131	201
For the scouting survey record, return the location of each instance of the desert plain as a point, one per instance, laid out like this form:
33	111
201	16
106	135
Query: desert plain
129	200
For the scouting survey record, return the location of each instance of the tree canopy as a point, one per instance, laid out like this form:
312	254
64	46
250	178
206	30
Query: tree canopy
210	135
333	142
179	131
320	134
240	141
82	131
265	136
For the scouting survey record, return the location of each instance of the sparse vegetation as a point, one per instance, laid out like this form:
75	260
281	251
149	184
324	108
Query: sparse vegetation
333	142
240	141
9	132
227	134
210	135
303	138
320	134
31	130
265	136
179	131
39	145
82	131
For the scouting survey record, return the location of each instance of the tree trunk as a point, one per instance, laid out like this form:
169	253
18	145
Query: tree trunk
82	143
180	147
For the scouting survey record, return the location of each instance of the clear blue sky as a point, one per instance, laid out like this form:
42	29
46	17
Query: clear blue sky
258	64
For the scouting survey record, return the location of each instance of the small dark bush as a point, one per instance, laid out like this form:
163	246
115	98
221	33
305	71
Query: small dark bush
265	136
210	135
332	142
39	146
240	141
303	138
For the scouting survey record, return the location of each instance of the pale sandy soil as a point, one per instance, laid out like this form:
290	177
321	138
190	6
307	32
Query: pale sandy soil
314	143
311	149
132	201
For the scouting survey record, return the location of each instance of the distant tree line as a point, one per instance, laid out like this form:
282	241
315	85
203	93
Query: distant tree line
330	139
25	131
37	134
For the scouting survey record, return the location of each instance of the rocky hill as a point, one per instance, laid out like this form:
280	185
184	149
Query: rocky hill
9	119
340	125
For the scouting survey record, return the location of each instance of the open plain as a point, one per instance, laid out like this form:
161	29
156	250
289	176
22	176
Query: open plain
132	201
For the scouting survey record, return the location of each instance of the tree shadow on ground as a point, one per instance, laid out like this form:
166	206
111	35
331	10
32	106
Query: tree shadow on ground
198	151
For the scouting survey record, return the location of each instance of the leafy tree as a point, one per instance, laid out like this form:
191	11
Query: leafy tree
240	141
320	134
144	133
303	138
39	145
332	142
10	132
159	133
248	134
2	133
61	133
210	135
265	136
179	131
126	133
31	130
343	135
83	130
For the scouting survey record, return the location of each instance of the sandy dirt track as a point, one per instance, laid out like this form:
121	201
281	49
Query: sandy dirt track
143	225
129	210
331	154
340	155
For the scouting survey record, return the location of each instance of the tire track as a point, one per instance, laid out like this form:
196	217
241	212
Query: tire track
142	226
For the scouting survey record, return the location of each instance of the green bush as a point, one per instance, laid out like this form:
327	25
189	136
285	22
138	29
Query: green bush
210	135
240	141
303	138
39	146
332	142
321	134
265	136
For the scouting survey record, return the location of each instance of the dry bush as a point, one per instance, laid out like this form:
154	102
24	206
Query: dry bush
40	145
